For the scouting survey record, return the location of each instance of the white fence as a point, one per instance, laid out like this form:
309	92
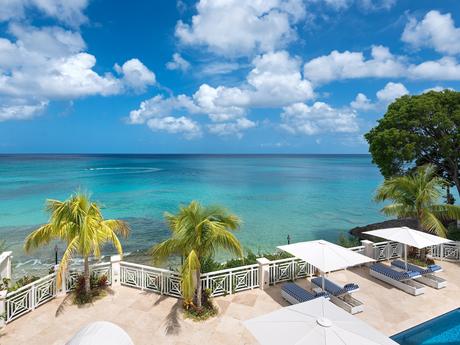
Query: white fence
149	278
29	297
231	280
447	251
101	269
288	269
387	250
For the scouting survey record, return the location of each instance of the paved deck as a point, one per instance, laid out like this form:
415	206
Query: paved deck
153	320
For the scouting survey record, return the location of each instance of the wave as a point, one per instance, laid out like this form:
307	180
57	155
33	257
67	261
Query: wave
124	168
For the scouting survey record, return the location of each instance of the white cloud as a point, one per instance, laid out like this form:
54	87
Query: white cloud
446	68
435	31
385	96
300	118
391	91
367	5
219	68
178	63
232	128
21	111
183	125
242	27
135	75
66	11
382	64
361	102
50	63
348	65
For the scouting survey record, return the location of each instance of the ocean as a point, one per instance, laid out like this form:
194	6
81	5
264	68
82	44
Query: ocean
304	196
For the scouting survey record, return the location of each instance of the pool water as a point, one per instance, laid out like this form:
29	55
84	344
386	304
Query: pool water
442	330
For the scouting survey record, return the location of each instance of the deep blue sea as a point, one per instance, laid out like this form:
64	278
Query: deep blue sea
305	196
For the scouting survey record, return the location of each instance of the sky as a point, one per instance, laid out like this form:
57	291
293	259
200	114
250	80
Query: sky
215	76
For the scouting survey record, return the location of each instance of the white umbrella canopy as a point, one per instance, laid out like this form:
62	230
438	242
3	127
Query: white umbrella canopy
101	333
316	322
408	236
325	256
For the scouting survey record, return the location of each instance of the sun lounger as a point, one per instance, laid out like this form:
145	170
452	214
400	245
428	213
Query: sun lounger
341	295
294	294
403	280
427	276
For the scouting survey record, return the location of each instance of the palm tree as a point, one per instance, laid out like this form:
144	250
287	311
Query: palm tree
417	196
197	232
79	223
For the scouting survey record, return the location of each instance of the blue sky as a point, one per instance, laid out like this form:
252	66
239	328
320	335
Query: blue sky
222	76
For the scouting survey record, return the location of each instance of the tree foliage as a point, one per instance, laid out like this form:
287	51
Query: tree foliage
79	223
198	232
416	196
418	130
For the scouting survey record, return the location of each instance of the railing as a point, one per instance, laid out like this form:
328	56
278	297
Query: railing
100	269
387	250
358	249
231	280
29	297
288	269
447	251
149	278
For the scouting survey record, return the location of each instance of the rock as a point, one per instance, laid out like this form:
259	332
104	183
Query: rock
393	223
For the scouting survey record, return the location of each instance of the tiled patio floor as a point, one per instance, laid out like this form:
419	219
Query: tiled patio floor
151	319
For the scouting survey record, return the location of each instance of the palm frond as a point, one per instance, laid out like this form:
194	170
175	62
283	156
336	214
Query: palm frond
189	268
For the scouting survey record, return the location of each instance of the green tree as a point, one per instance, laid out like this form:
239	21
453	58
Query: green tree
419	130
197	233
417	196
79	223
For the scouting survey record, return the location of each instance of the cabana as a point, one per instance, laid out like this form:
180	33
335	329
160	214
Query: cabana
417	239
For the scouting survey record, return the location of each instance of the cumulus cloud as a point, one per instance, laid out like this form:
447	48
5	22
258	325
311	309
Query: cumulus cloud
382	64
178	63
66	11
135	75
391	91
21	111
367	5
184	125
242	27
385	96
348	65
435	30
299	118
234	128
49	63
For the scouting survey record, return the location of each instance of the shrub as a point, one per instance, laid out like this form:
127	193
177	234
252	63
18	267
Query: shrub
348	241
207	310
97	286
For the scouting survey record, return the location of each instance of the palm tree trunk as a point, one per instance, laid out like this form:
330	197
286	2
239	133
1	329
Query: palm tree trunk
198	289
86	276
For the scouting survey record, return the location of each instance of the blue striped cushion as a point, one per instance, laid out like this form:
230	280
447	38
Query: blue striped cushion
430	269
297	292
396	275
333	288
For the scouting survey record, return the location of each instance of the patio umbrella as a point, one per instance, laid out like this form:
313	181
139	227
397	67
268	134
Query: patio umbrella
316	322
101	333
325	256
408	237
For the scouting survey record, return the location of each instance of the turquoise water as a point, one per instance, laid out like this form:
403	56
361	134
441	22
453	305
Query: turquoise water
307	197
443	330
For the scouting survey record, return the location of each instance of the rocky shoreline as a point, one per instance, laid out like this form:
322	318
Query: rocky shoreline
392	223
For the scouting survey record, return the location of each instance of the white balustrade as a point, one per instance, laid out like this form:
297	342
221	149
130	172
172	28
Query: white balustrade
358	249
29	297
387	250
447	251
231	280
288	269
149	278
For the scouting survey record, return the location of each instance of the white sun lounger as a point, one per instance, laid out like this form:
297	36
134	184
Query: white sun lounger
402	280
427	274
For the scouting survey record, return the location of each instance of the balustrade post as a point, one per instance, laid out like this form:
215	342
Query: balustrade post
368	248
5	264
116	269
3	315
264	272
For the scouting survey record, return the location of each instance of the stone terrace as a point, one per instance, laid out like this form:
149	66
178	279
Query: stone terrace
152	319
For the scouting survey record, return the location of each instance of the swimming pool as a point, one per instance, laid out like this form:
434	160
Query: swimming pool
442	330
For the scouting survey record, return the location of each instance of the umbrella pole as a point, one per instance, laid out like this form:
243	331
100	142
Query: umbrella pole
405	255
322	273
